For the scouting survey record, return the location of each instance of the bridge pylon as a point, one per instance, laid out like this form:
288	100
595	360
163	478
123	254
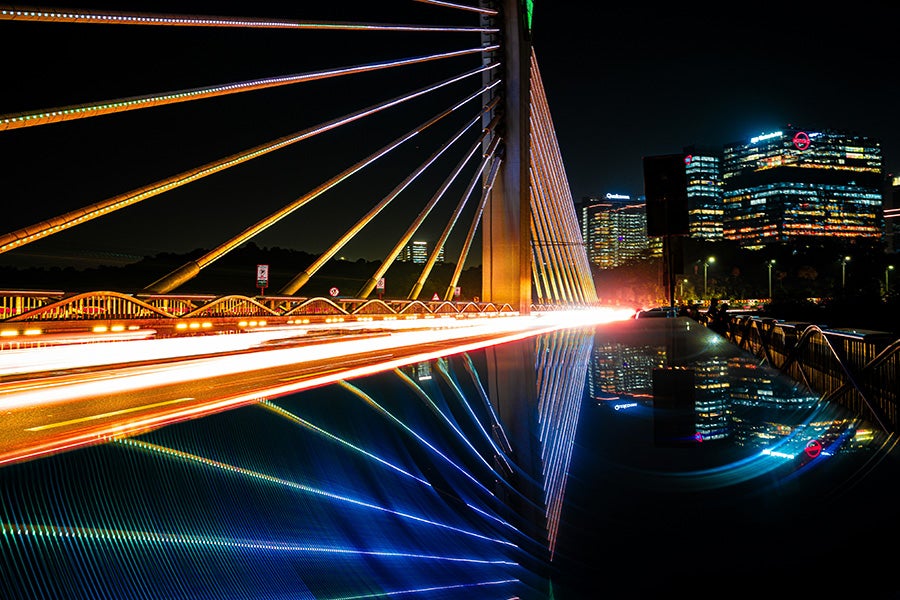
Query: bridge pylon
506	221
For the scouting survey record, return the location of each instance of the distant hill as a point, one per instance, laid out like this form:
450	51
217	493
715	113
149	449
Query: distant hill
235	273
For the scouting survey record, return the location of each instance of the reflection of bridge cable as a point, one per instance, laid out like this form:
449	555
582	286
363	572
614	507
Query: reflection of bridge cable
429	402
381	410
299	280
500	455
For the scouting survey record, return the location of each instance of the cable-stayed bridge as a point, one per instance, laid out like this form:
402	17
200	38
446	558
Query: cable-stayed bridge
435	128
372	443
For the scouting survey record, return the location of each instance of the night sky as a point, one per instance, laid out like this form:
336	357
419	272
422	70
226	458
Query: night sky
623	81
637	79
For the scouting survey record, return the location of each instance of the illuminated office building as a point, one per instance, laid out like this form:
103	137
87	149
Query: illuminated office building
892	215
418	252
793	185
614	229
704	193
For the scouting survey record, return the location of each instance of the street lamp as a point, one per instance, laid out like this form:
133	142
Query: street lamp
681	288
771	263
844	262
706	264
887	281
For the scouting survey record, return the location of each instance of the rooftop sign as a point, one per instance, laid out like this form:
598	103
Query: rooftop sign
765	136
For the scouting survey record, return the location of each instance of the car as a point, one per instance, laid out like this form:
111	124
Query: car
657	311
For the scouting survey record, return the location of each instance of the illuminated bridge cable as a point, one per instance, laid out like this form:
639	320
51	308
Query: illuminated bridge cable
367	288
292	286
439	244
551	189
293	485
76	217
482	10
487	186
107	17
192	268
553	184
105	107
560	267
543	231
269	405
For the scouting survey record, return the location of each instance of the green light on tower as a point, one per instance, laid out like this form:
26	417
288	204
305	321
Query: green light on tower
529	8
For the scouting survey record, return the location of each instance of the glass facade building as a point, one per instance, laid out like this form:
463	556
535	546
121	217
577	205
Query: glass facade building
704	193
614	229
790	185
417	252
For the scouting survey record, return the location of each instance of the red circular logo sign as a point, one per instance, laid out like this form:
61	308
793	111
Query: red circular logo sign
801	140
334	292
688	159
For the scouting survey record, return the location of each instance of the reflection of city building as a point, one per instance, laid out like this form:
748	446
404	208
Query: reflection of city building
792	185
418	371
623	369
711	400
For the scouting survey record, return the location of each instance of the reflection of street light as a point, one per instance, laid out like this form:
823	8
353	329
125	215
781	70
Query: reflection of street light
887	281
844	262
771	262
706	264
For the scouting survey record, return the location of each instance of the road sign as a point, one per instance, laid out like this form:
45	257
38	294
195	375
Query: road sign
380	284
435	298
334	292
262	276
457	292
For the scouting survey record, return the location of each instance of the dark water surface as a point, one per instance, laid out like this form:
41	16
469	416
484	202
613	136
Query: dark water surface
543	468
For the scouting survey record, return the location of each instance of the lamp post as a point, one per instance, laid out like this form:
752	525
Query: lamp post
844	262
706	264
770	265
887	281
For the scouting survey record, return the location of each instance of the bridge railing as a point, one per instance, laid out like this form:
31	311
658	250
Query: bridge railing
858	368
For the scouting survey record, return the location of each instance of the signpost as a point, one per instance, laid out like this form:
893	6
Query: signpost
262	278
333	292
380	287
